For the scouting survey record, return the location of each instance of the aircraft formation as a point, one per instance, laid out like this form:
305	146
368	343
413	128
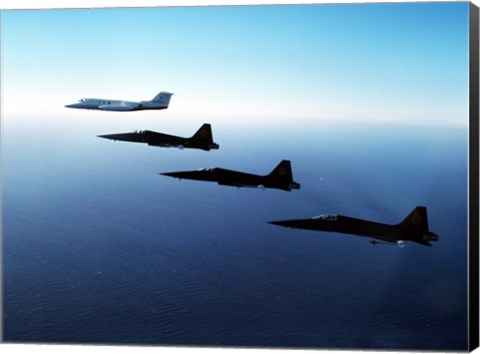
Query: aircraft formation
413	228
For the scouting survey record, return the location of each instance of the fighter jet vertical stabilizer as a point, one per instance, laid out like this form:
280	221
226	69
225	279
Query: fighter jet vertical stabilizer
203	138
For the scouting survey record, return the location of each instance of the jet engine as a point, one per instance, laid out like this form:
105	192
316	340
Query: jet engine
430	237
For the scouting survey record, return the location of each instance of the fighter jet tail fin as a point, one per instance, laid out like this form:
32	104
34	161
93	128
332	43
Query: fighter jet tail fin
204	133
417	220
282	171
163	98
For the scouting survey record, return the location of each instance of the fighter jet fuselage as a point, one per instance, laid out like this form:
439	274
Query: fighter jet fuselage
413	228
202	139
160	101
279	178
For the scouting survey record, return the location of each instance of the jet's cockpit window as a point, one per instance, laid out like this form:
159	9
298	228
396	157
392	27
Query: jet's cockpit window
326	217
82	100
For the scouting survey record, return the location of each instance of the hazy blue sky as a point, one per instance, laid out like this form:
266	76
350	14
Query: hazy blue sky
386	62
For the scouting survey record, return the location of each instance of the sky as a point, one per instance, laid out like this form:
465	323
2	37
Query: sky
386	62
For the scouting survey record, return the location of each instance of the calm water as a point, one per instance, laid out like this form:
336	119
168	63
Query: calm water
98	248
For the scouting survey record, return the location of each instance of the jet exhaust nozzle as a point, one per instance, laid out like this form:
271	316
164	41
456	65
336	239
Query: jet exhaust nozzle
430	237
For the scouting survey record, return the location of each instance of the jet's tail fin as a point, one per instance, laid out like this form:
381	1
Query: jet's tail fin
282	176
417	220
204	138
163	98
203	134
282	171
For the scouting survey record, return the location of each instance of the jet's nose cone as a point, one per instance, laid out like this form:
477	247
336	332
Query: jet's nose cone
169	174
179	175
284	223
136	137
110	136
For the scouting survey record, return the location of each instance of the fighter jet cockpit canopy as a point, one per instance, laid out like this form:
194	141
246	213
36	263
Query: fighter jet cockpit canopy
207	169
326	217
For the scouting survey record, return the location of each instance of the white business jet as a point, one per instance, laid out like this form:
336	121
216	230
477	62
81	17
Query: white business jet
160	101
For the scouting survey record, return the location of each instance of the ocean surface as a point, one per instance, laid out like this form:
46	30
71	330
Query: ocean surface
100	248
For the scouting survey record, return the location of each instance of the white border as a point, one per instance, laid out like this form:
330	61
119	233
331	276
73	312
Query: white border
81	349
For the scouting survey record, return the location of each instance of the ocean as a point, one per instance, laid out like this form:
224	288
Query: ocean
100	248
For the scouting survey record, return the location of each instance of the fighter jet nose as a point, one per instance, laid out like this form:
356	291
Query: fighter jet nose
109	137
279	223
169	174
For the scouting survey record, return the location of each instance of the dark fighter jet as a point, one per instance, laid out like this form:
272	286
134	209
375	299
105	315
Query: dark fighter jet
202	139
279	178
413	228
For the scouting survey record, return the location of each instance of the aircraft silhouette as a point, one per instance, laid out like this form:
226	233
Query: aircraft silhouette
280	178
202	139
413	228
